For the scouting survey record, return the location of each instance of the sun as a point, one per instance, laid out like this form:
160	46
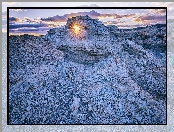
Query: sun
76	29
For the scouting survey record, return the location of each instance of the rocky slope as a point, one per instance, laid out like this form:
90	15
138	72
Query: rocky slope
99	75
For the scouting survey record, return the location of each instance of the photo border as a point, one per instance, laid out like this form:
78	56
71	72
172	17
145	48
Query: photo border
8	8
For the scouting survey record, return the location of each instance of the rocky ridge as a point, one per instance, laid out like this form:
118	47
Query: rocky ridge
105	76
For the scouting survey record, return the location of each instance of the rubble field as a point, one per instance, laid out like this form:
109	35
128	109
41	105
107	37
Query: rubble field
92	74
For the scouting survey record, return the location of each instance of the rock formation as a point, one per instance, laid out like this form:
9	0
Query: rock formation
88	73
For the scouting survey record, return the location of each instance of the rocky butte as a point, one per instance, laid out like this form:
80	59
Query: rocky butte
88	73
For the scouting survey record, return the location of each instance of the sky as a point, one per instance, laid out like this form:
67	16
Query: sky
39	21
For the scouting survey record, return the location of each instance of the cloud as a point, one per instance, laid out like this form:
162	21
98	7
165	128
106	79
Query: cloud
15	26
155	11
161	18
64	18
152	15
55	18
159	11
27	19
136	18
36	31
40	29
150	18
14	19
93	14
110	15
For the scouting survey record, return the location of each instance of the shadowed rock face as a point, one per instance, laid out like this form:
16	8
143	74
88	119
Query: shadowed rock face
83	56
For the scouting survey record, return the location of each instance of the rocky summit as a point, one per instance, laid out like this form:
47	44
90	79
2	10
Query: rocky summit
88	73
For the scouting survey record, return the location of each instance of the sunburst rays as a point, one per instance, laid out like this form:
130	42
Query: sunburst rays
77	30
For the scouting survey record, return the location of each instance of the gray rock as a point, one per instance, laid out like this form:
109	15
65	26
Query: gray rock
104	75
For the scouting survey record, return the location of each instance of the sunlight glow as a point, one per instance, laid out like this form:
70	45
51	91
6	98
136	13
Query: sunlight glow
76	29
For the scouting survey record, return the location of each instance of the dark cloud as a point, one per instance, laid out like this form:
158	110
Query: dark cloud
64	18
93	14
55	18
128	15
14	19
23	30
15	26
157	18
150	18
30	20
159	11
